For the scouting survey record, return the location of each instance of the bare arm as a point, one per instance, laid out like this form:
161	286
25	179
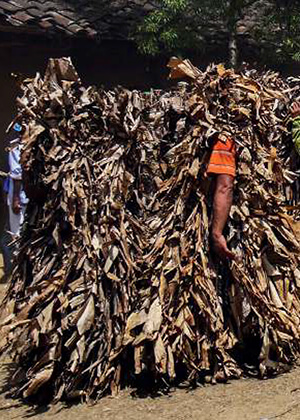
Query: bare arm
295	109
221	209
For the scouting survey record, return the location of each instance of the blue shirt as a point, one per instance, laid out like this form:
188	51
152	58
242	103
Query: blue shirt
15	173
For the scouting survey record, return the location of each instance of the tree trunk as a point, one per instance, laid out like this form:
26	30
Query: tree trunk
233	49
234	13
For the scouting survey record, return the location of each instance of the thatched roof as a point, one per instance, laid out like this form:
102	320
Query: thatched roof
102	18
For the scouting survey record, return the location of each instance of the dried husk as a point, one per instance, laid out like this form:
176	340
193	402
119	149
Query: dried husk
114	274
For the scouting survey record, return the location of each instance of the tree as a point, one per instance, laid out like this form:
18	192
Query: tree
280	31
175	25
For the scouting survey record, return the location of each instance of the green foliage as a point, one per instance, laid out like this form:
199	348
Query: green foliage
166	28
280	31
176	25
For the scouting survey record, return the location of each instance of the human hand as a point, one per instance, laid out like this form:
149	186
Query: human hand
220	247
16	205
295	109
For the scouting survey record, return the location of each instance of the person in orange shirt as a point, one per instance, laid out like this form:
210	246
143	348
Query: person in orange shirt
222	165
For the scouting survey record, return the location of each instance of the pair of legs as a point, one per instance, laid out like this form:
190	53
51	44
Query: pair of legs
11	231
16	220
6	252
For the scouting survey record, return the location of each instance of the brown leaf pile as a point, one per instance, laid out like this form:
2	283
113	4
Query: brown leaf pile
114	275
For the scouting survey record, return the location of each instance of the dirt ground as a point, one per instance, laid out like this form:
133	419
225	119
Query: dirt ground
245	399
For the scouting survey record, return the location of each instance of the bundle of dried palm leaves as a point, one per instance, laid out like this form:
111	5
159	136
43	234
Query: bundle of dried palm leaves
114	274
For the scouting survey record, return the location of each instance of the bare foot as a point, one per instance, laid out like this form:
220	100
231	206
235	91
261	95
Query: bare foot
220	247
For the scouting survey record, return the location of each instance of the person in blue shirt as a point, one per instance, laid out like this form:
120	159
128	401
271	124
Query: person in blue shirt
16	197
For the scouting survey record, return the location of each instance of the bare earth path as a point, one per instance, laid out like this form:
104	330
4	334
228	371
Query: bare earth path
246	399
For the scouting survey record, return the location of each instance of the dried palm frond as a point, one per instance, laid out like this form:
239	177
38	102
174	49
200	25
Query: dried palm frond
114	273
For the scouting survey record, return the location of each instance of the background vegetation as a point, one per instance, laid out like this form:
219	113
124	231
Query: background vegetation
178	26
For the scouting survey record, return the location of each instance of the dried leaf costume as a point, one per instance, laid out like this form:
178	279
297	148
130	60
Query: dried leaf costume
114	275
